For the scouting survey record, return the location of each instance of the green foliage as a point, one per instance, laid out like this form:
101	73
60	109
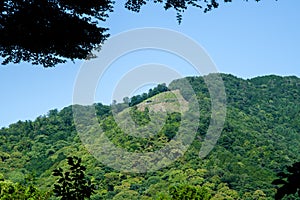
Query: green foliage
152	92
44	37
10	190
102	110
259	138
73	184
139	117
68	30
289	181
188	192
178	5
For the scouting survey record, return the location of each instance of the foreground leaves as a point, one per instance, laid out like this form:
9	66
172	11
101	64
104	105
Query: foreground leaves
289	181
73	184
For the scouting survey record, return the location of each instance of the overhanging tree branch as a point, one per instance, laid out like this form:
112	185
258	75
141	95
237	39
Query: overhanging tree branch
48	32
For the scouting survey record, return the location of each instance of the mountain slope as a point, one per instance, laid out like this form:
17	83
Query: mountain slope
261	135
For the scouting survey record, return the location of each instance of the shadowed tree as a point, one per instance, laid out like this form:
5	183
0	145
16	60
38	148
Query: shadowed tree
186	192
48	32
73	184
179	5
289	181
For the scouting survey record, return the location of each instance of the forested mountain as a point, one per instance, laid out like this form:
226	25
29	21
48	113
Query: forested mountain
260	137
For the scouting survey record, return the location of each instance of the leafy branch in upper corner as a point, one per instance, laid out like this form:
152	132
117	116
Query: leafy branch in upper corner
73	184
289	181
48	32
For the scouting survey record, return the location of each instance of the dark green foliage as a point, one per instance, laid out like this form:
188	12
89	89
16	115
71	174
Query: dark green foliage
36	142
73	184
140	117
152	92
47	32
10	190
172	124
178	5
260	137
102	110
289	181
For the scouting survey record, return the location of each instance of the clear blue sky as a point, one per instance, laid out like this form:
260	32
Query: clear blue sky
246	39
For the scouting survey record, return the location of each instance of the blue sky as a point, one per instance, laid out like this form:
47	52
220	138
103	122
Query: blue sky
246	39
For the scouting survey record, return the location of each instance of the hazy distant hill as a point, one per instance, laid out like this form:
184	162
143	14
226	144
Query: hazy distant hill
261	135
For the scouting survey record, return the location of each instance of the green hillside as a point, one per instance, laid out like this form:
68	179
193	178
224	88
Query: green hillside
261	136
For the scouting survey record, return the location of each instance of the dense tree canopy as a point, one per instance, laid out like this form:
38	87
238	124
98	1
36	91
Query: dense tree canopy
47	32
260	137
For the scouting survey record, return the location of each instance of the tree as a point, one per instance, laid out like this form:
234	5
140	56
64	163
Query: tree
47	32
73	184
126	100
289	181
188	192
10	190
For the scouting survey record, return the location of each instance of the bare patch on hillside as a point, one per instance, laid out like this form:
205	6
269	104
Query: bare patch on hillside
171	101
